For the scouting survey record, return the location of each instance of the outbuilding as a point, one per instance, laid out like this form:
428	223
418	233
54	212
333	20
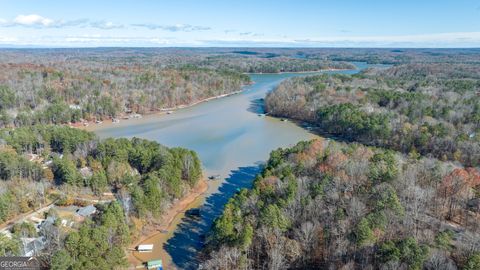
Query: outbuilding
145	248
155	264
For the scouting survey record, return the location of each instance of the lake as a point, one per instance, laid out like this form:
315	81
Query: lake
232	138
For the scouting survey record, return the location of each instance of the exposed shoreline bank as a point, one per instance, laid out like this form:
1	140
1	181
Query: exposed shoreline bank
92	126
164	230
164	111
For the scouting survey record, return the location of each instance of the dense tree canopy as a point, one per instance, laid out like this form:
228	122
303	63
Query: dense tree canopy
322	204
428	109
66	164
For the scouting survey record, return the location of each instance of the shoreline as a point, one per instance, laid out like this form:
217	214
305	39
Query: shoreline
169	223
300	72
92	126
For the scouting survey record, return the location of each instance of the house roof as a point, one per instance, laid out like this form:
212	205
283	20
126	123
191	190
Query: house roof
32	245
86	172
87	211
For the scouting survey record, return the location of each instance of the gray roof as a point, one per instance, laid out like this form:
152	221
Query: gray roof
32	245
87	211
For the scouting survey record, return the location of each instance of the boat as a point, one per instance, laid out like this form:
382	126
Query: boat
214	177
136	115
194	212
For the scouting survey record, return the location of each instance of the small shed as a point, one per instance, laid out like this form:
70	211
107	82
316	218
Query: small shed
155	264
145	248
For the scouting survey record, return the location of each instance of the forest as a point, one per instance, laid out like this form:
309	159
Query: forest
61	93
393	184
63	86
60	86
427	109
328	205
144	176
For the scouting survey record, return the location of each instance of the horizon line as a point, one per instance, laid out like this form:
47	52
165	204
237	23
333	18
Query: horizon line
225	47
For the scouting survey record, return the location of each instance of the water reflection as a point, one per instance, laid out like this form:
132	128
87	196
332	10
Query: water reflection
188	239
257	106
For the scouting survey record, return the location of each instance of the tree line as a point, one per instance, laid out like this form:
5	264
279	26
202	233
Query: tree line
430	109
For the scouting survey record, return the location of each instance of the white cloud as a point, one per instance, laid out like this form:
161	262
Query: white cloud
172	28
229	37
33	20
8	40
37	21
105	25
458	39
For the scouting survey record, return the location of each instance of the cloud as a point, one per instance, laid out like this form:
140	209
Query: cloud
8	40
93	40
457	39
228	31
172	28
37	21
436	38
105	25
462	39
251	34
33	20
78	22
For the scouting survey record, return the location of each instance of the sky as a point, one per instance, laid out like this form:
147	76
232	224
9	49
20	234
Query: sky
246	23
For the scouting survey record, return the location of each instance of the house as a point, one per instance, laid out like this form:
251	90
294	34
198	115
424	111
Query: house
34	158
6	233
474	205
49	221
47	164
86	172
87	211
31	246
